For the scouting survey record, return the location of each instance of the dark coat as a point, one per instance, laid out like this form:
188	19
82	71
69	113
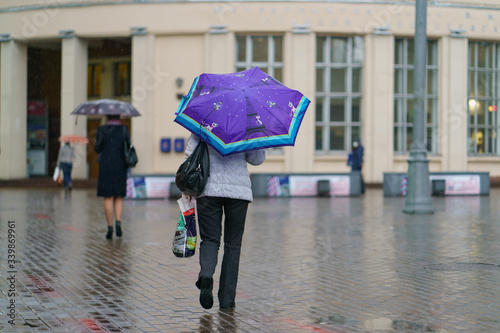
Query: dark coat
357	158
110	142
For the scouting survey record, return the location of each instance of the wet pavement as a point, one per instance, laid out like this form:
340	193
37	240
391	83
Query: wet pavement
308	265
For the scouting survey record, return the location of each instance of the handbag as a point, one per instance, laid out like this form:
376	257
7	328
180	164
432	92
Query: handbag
129	151
185	237
192	175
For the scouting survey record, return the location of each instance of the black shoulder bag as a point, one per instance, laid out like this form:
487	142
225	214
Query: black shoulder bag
192	175
129	151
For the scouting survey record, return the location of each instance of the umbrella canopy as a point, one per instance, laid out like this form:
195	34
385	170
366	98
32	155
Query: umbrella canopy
73	139
242	111
104	107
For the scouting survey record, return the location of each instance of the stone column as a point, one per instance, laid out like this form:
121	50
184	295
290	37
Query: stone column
145	79
13	108
220	50
73	92
300	46
378	105
453	123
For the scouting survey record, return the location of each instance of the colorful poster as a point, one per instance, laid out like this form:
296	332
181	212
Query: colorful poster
278	186
460	184
404	185
140	187
455	184
158	187
307	185
286	186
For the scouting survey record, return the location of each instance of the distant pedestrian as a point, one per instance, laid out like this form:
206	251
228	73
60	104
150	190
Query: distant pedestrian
112	179
228	192
356	160
65	162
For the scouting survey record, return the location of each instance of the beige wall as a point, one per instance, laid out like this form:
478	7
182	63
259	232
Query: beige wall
146	78
378	106
185	18
182	42
22	3
170	52
74	92
13	108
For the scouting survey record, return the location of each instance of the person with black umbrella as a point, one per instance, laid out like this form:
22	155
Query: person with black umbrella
112	179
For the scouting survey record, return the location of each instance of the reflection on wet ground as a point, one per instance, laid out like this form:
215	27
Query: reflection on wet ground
308	265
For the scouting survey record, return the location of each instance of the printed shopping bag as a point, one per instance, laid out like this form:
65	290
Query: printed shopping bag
184	243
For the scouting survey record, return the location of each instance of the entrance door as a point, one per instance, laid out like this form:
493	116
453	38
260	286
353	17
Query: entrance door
92	125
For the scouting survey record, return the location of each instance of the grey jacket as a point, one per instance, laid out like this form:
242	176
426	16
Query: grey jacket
229	176
66	154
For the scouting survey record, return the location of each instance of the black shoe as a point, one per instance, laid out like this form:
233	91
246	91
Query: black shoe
119	232
109	235
205	283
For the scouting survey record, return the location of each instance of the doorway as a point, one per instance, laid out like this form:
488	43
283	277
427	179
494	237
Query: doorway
92	126
44	107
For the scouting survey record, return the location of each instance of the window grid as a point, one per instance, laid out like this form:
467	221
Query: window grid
483	98
404	96
94	80
348	129
272	65
122	78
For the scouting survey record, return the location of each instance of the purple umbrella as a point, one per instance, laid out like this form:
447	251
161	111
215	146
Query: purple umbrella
242	111
103	107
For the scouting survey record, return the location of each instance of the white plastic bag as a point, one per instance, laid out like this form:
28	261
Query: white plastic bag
57	171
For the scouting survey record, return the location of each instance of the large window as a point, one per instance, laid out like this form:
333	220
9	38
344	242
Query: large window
404	69
122	80
94	80
265	52
483	98
339	62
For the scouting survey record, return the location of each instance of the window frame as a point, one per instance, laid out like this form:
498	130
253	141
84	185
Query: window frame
271	64
127	90
474	100
325	125
402	98
94	84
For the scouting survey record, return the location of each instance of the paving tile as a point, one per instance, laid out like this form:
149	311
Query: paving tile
307	265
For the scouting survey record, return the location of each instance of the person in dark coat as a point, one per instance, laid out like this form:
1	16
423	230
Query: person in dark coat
357	160
112	179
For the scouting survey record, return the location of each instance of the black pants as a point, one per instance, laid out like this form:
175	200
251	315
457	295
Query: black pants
210	211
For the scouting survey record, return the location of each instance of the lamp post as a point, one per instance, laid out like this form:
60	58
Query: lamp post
418	197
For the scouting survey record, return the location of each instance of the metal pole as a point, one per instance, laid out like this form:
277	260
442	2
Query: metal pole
418	198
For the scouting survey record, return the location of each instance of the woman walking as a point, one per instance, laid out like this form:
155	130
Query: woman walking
65	162
112	179
228	192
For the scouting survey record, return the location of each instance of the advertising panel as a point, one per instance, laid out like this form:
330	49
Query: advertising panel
285	186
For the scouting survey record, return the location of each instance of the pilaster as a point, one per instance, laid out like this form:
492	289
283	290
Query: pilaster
73	92
378	105
13	108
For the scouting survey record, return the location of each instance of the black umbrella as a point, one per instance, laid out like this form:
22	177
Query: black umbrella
104	107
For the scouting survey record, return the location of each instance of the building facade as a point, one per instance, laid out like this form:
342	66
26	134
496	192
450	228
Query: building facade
352	59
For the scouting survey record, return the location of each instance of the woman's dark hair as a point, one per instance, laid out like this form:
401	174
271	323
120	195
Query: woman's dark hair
113	117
